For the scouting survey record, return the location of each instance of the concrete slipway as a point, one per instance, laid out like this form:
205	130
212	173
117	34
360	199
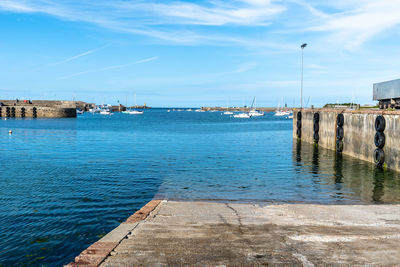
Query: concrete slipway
177	233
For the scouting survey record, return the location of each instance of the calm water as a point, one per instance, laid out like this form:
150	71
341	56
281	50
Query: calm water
64	183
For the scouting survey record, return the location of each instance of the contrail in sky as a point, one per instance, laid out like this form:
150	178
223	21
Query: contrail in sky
78	56
110	67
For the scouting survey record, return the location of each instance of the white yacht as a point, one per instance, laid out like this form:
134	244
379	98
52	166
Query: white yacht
282	113
242	115
106	112
228	112
132	112
256	113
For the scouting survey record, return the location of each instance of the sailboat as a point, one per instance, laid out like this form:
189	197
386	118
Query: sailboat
281	112
244	115
133	111
228	112
253	111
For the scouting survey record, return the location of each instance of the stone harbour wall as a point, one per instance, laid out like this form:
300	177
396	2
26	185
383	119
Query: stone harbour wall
32	111
358	134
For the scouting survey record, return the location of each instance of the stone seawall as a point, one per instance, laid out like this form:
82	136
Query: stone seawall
358	133
32	111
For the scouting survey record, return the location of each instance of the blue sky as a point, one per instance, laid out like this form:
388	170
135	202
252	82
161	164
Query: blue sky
197	53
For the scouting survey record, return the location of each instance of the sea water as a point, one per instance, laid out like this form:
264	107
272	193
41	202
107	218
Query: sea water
65	183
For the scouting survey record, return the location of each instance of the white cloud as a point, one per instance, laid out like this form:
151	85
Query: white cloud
151	18
360	21
340	23
240	12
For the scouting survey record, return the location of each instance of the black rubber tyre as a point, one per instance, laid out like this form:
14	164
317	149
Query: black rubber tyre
316	127
298	133
380	123
379	157
298	124
316	117
339	133
339	146
340	120
379	139
316	137
299	115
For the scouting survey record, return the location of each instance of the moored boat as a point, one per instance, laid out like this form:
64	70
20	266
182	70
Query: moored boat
242	115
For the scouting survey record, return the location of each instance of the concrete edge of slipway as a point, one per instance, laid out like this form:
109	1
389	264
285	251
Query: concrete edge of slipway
96	253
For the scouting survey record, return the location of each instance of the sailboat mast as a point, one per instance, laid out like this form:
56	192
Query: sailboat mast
254	99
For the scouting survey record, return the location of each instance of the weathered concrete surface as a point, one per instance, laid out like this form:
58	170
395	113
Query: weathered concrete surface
359	132
97	252
229	234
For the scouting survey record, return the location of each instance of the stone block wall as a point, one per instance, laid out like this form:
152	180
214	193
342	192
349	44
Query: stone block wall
31	111
359	132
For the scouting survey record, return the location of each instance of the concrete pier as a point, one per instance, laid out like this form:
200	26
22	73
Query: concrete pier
178	233
358	133
38	109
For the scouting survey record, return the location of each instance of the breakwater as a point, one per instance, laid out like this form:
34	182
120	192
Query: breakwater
370	135
37	109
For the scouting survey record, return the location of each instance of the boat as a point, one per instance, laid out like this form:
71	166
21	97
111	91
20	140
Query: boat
242	115
132	112
282	113
253	111
79	111
95	110
106	112
228	112
200	110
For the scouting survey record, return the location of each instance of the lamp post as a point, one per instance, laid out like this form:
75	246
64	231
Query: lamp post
302	60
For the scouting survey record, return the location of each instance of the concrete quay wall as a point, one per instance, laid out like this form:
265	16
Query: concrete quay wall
358	132
31	111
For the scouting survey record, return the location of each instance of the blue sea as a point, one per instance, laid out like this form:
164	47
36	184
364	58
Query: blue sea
65	183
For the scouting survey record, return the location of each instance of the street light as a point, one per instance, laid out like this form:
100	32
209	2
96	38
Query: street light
302	60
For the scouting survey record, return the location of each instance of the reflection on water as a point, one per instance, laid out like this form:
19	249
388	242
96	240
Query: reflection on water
64	183
351	178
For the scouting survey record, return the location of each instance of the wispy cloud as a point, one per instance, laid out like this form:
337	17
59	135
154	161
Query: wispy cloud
245	12
245	67
149	18
340	23
359	21
109	68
